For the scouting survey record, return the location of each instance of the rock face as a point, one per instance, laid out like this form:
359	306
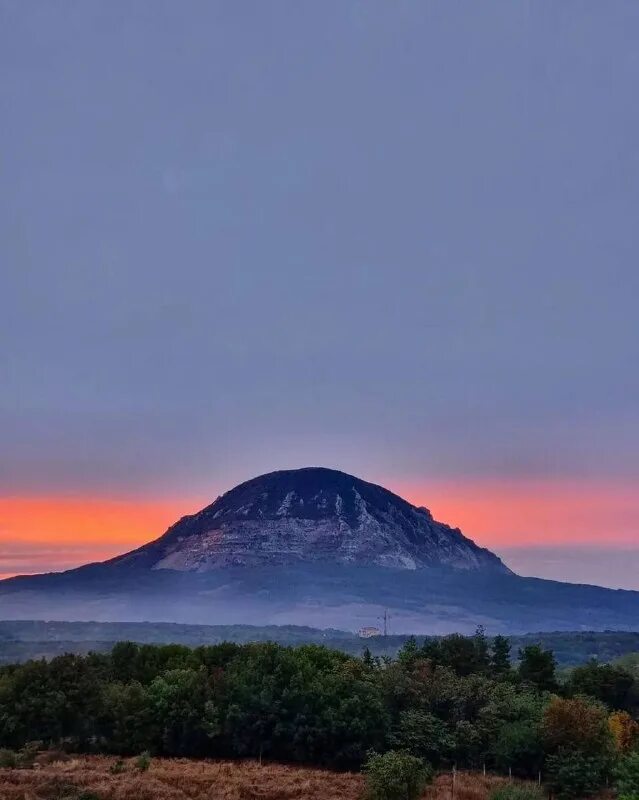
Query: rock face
310	515
321	548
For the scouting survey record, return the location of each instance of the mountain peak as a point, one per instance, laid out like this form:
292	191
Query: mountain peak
313	514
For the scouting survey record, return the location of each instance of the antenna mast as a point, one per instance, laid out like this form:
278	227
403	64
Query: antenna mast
386	619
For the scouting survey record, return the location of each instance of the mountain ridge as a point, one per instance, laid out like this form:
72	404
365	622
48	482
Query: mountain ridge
316	547
310	514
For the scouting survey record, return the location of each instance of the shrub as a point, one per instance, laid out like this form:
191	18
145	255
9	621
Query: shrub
423	735
396	775
143	761
517	791
26	756
117	767
575	774
8	759
627	776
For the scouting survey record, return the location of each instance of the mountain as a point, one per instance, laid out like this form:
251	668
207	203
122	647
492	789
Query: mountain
316	547
306	516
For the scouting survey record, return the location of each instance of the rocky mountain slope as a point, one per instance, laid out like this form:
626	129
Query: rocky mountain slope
316	547
306	516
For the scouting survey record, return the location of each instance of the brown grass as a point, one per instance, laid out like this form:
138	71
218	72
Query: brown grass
468	786
182	779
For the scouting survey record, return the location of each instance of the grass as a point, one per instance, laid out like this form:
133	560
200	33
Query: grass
93	778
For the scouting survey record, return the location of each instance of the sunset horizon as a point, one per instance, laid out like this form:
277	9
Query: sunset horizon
319	408
398	241
539	525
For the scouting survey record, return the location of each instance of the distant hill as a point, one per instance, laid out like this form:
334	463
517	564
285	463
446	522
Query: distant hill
22	640
320	548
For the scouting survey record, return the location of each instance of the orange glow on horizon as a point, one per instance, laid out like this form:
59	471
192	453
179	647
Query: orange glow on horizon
45	533
534	512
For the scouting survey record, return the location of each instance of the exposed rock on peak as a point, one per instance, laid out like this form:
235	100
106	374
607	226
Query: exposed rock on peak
310	515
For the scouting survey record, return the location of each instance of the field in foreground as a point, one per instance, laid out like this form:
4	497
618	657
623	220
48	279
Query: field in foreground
180	779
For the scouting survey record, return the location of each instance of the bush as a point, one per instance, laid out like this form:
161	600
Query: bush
8	759
143	761
118	767
574	774
627	776
396	775
26	756
517	791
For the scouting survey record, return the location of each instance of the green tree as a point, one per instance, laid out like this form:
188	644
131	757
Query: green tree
575	774
126	721
538	668
395	775
409	653
482	653
500	656
611	685
424	735
184	711
519	748
627	776
459	653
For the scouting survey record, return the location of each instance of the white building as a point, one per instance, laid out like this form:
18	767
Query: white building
366	633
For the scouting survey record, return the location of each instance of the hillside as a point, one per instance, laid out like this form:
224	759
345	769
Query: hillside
22	640
320	548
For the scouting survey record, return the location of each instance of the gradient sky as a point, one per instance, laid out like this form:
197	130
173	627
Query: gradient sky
397	238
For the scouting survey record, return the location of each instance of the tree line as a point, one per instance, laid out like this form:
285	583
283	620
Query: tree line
452	701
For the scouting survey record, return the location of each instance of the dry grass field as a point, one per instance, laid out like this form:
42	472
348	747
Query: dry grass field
88	778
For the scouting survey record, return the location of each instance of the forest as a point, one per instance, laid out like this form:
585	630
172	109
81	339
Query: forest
452	702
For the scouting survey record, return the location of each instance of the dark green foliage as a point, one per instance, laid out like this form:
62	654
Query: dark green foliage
500	656
538	668
519	748
183	712
8	759
445	701
575	774
409	652
143	761
26	756
611	685
461	654
482	654
396	775
310	704
125	722
424	735
627	775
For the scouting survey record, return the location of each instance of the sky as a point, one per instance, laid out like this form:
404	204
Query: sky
398	239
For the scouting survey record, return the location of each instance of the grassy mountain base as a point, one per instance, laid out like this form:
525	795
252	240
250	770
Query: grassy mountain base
424	601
